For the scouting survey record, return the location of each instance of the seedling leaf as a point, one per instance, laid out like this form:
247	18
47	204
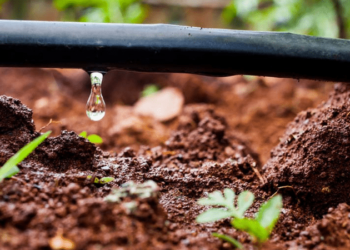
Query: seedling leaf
230	198
105	180
259	228
252	227
269	212
12	172
214	199
91	138
212	215
95	139
228	239
83	134
8	169
244	201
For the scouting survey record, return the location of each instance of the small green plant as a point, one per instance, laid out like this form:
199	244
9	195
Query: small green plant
149	90
258	228
10	168
103	180
92	138
131	189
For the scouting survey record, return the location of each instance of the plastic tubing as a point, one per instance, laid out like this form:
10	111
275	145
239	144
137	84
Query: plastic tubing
172	48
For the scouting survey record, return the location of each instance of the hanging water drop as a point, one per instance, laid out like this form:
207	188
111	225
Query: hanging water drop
95	106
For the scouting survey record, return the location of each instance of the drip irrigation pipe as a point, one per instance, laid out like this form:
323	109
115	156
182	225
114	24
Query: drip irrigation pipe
171	48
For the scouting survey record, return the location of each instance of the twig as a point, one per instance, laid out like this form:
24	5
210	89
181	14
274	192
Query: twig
283	187
50	122
262	180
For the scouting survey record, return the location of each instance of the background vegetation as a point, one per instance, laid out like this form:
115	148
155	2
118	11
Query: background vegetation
327	18
313	17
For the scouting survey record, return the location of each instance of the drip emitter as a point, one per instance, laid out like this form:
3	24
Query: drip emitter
170	48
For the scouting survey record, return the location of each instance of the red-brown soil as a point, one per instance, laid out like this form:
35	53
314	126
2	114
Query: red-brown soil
313	155
222	139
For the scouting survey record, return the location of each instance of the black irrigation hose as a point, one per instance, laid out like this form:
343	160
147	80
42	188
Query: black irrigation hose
169	48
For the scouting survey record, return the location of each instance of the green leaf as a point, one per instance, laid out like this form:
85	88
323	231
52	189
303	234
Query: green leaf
10	166
214	199
228	239
244	201
230	198
269	212
92	138
149	90
212	215
252	227
96	180
83	134
105	180
12	172
95	139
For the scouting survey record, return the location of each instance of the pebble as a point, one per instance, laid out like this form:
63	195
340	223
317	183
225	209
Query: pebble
163	106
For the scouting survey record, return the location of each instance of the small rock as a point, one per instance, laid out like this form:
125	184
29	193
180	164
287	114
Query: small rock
59	242
162	106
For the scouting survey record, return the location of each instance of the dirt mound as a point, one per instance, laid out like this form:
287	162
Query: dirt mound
17	116
200	154
62	152
331	232
16	127
65	151
203	135
314	154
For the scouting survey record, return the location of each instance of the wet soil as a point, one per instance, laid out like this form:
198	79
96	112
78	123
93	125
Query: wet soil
221	139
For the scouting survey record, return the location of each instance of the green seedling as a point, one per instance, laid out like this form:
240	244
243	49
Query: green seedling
92	138
244	201
259	228
149	90
131	189
10	168
103	180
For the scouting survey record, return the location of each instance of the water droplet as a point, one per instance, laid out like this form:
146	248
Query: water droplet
95	106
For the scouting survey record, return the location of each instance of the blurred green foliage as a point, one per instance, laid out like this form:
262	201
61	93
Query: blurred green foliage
1	2
107	11
311	17
149	90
